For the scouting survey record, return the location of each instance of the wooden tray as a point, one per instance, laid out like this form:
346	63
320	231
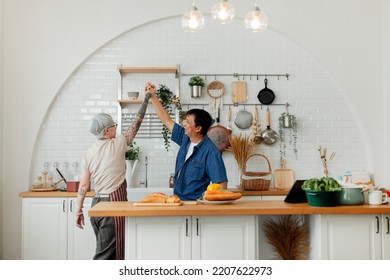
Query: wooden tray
156	204
43	189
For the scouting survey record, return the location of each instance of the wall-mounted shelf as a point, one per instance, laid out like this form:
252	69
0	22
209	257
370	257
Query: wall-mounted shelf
155	70
147	129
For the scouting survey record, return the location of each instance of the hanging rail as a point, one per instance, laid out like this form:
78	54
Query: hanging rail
240	104
238	75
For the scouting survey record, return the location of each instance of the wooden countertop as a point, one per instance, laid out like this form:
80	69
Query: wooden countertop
52	194
239	207
74	194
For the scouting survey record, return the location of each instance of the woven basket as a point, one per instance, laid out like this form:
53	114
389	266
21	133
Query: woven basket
256	181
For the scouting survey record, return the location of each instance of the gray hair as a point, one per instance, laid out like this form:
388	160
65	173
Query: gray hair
99	123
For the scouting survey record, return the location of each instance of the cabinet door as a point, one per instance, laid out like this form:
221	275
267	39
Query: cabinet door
351	237
386	237
81	242
224	237
158	238
44	230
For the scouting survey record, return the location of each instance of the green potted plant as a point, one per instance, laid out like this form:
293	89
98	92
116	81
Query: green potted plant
322	191
132	152
167	98
196	83
132	159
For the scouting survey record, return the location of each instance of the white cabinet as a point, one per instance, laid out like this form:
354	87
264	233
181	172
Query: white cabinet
346	237
185	237
224	238
81	242
385	236
49	231
158	238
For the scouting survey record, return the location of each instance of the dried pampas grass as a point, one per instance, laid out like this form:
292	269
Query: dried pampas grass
289	236
241	147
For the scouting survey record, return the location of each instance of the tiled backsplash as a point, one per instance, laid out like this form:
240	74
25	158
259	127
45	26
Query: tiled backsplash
323	114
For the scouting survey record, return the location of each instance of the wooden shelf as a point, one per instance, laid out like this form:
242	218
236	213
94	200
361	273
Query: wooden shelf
130	101
172	70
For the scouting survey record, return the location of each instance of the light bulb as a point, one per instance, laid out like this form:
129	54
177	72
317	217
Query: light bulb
192	20
256	20
223	11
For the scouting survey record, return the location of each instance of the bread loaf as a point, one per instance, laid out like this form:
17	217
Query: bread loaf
173	199
221	195
155	197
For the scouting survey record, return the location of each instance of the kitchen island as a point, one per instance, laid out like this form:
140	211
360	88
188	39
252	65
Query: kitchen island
234	231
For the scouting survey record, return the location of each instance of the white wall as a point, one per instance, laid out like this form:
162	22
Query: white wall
45	41
323	114
1	119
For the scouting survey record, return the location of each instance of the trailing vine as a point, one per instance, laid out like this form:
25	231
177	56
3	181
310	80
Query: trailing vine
167	98
292	135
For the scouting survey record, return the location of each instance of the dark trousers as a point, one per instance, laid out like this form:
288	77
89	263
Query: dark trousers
104	228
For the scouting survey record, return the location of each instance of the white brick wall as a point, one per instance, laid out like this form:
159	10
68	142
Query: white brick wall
324	115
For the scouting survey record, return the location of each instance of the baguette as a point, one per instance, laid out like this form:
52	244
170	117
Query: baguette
155	197
173	199
222	196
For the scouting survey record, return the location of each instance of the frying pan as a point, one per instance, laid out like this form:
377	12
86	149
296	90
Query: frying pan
243	119
269	136
266	96
220	136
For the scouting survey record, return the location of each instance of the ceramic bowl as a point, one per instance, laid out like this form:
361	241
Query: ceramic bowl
133	95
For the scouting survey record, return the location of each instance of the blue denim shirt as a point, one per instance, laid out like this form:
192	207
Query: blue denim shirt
205	165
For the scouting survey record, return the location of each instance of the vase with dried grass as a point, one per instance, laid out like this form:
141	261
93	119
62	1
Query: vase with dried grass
289	237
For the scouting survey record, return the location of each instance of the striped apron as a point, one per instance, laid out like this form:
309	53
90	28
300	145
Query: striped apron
119	195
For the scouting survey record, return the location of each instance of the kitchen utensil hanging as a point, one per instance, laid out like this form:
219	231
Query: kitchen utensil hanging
269	136
266	96
243	119
215	90
229	127
220	136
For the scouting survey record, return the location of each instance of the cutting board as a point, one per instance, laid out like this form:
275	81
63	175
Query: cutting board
156	204
239	92
283	177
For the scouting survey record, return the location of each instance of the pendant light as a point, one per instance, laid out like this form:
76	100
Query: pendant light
256	20
223	11
192	20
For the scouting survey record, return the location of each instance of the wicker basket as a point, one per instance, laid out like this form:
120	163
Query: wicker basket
256	181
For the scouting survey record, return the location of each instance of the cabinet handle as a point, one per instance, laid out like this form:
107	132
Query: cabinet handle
388	225
63	206
197	226
377	224
71	206
186	227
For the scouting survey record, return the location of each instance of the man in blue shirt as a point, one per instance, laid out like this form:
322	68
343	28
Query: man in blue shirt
198	162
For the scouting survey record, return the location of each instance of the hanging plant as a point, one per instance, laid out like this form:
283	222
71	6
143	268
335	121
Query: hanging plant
288	128
167	98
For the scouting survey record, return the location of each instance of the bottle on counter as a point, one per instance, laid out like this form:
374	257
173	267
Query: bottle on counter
75	171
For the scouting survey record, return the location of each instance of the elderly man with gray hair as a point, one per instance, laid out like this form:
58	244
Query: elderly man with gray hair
104	163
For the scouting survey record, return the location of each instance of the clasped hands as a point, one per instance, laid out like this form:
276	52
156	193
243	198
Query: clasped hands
150	88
